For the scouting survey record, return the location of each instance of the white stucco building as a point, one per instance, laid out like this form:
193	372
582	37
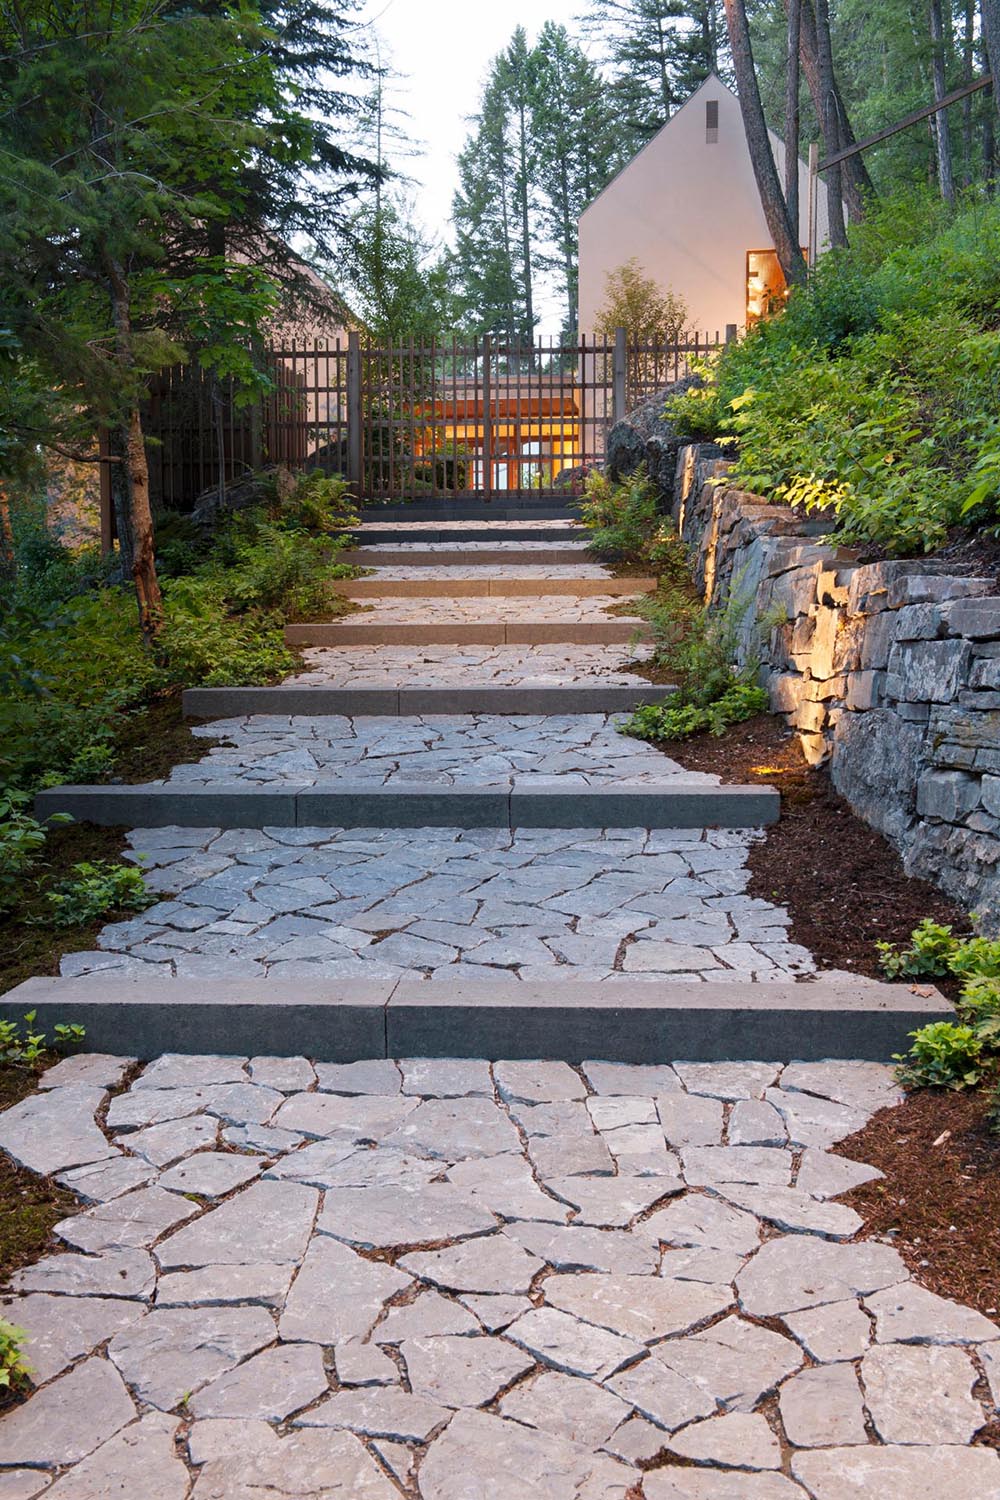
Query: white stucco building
686	207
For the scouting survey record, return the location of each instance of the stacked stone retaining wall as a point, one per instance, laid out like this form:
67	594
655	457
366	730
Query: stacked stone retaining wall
889	671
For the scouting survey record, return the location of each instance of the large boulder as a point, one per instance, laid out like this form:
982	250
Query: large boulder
645	436
250	492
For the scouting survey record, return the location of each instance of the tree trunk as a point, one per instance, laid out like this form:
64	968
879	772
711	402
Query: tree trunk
792	131
989	11
136	469
856	183
942	131
968	65
8	561
830	124
786	240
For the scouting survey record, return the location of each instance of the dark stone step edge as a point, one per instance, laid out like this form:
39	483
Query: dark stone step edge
227	703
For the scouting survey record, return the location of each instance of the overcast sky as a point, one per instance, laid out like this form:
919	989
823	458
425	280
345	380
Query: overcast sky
443	48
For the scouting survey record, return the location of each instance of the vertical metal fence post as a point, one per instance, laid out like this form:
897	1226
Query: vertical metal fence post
618	377
354	411
487	421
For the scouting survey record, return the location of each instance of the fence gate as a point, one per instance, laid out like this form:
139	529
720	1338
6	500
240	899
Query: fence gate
487	419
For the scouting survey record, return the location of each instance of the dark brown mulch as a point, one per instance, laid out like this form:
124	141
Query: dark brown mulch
841	881
29	1205
28	949
941	1194
154	740
967	550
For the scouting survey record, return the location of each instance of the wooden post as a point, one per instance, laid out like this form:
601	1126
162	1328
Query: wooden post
354	411
618	394
107	507
487	420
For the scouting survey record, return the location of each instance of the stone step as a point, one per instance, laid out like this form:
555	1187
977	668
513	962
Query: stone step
443	587
468	508
428	532
342	803
462	633
229	703
619	1019
417	556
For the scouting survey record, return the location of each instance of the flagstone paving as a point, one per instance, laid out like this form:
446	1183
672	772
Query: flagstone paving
483	749
528	609
402	1294
543	904
557	665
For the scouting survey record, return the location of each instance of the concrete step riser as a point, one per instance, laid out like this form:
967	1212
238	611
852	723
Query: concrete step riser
513	531
491	588
229	703
521	507
540	633
422	557
343	804
567	1020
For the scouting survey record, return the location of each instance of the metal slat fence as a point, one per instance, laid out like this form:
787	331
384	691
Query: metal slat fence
412	419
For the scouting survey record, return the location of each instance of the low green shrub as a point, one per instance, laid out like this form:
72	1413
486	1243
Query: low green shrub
943	1056
23	1046
935	951
92	889
22	839
663	721
625	523
14	1368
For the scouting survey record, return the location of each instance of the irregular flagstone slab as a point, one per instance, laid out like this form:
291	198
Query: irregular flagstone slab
640	1150
176	1070
210	1174
289	1075
615	1110
429	1316
909	1314
795	1211
734	1362
826	1176
176	1350
636	1441
398	1459
690	1121
927	1473
496	1312
728	1080
698	1220
381	1218
990	1356
264	1139
567	1407
834	1331
59	1332
811	1121
268	1222
141	1460
343	1116
102	1181
638	1306
167	1143
666	1398
133	1221
789	1274
364	1364
461	1371
523	1464
117	1273
446	1077
537	1082
100	1070
337	1295
764	1166
492	1264
269	1387
219	1286
387	1412
306	1465
341	1163
52	1130
754	1122
567	1344
612	1202
631	1078
505	1185
734	1440
921	1395
455	1129
23	1484
142	1107
699	1484
243	1103
566	1156
867	1086
718	1267
578	1247
380	1075
68	1419
216	1438
823	1408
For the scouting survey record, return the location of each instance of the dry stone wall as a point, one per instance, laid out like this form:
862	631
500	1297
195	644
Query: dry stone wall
889	671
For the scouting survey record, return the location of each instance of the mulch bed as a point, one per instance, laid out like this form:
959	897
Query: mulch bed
841	882
940	1200
154	740
29	1205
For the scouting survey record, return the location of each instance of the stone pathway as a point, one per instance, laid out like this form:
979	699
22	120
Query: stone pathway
529	609
451	1280
557	665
